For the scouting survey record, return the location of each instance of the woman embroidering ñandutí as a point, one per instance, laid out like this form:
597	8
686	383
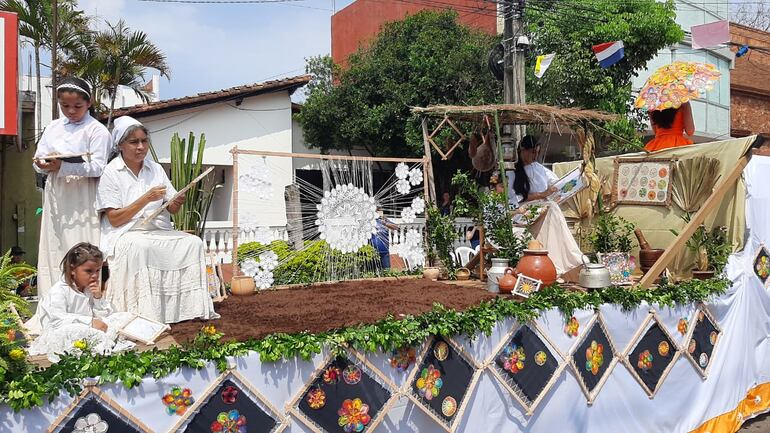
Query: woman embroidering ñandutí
156	272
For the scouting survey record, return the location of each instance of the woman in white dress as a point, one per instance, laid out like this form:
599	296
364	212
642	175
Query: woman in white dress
532	181
69	211
74	313
155	271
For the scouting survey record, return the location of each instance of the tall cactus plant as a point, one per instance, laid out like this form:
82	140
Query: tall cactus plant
186	165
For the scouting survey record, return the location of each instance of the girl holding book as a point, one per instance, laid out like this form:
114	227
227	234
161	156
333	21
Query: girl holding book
155	271
69	215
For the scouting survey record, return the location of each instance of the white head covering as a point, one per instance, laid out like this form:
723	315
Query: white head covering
119	127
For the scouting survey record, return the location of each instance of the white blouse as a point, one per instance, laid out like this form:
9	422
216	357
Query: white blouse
65	137
540	178
119	187
63	305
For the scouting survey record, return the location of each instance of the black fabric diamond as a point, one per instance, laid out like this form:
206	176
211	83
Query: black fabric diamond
257	420
115	423
532	379
596	334
660	348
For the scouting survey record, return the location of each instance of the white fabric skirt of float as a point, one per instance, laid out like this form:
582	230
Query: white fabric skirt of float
160	275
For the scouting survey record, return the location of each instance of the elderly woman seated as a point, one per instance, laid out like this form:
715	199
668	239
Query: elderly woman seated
156	272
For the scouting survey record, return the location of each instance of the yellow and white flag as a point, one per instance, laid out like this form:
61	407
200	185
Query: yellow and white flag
542	64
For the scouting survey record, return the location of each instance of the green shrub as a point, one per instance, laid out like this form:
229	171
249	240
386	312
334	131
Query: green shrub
315	262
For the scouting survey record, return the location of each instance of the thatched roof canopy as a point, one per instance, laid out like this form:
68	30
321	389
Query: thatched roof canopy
524	114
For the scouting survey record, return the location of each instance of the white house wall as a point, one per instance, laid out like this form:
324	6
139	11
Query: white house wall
259	123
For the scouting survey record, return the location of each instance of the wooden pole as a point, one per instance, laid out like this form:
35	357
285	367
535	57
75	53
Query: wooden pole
708	206
430	194
235	152
481	253
317	156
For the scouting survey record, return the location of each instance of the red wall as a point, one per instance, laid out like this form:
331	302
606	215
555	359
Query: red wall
359	22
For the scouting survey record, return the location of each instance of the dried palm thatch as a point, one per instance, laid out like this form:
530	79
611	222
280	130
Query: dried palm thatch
521	114
693	180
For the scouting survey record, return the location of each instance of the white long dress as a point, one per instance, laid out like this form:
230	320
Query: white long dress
69	205
66	315
552	230
155	272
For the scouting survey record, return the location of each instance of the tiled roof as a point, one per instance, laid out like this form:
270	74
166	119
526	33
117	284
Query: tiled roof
152	108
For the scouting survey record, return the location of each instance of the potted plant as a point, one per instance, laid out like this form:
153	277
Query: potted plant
441	233
612	241
711	250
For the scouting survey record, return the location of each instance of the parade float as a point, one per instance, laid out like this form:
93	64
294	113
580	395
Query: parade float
310	353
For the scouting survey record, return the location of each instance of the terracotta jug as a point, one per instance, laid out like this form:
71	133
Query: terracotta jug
507	281
536	264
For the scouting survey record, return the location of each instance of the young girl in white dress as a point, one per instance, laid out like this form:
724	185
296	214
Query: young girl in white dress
156	272
69	210
75	310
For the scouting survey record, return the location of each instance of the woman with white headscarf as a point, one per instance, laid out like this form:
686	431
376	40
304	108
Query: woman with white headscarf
155	271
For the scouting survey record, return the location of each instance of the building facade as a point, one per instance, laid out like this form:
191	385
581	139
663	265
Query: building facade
750	83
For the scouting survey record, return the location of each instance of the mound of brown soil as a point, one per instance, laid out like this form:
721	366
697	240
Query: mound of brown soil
330	306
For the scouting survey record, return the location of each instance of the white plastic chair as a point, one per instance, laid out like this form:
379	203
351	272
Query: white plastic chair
464	255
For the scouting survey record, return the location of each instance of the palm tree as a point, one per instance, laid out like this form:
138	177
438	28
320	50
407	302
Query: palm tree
116	56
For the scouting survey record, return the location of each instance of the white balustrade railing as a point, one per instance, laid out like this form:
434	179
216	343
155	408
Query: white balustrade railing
219	241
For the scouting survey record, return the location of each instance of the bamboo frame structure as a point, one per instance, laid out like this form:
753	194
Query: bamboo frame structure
691	330
651	319
92	391
282	422
292	406
592	394
489	363
235	151
406	389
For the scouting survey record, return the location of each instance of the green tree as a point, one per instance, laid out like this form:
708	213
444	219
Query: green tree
570	27
428	58
116	56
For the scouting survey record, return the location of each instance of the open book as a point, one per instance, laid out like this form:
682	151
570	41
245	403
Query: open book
70	157
569	185
143	330
179	193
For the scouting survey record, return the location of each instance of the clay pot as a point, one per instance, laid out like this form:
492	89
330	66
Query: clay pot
647	258
431	273
507	281
536	264
463	274
702	275
242	285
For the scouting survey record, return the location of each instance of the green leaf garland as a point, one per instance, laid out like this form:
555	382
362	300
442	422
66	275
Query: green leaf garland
32	387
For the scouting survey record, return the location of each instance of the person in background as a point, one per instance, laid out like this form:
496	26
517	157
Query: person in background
670	127
445	207
380	240
17	257
155	271
75	308
69	215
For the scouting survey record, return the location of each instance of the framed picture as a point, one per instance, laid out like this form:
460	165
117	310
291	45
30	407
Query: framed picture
525	286
642	181
143	330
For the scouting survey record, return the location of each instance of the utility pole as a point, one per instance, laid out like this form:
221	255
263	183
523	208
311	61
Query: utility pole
516	43
54	49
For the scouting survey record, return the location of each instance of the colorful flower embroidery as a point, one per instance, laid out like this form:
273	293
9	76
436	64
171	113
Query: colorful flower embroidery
645	361
691	346
332	375
229	422
572	327
513	358
316	398
449	406
663	348
594	357
713	337
441	351
178	400
229	394
91	423
351	374
762	265
429	384
682	326
354	415
402	358
703	360
540	358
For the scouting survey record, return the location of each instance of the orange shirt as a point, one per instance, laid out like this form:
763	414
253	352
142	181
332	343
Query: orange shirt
669	137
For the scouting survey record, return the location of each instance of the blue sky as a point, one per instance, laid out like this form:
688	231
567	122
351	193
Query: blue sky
214	46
